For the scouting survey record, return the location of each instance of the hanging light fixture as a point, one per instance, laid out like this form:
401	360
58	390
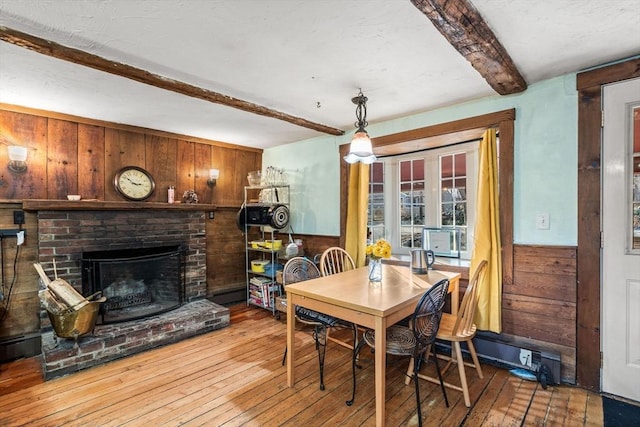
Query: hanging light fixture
361	149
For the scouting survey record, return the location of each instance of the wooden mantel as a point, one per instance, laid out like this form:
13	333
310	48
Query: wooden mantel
99	205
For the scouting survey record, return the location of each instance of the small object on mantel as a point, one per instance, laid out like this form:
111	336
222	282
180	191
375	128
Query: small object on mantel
190	196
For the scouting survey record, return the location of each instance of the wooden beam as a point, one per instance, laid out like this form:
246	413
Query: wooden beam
76	56
462	25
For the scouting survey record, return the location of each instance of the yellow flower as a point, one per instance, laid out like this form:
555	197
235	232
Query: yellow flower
378	250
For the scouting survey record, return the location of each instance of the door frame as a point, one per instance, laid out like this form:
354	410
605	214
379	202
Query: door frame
589	85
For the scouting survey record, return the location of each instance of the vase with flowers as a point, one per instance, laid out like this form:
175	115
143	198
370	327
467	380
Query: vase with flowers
376	252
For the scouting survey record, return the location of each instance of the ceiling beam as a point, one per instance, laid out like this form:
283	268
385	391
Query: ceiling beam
461	24
76	56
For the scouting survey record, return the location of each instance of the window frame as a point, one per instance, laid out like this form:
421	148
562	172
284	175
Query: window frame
433	193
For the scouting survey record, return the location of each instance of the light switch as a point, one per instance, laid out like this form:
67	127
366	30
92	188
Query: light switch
542	221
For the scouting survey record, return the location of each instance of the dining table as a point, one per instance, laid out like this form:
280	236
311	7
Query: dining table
352	297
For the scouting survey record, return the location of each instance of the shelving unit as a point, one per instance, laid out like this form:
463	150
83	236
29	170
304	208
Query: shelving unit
265	212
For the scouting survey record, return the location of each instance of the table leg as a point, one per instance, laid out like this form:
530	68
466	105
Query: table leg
380	362
291	348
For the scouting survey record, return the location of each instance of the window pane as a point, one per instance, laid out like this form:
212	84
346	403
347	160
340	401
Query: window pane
636	226
446	184
460	164
418	170
461	189
635	214
377	172
446	167
461	214
405	171
447	214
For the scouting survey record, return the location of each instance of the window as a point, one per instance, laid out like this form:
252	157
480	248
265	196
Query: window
411	200
375	214
427	189
453	196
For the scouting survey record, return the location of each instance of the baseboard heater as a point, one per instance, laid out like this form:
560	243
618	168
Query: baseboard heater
544	365
20	346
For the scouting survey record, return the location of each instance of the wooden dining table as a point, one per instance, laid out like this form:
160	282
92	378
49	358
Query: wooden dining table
351	297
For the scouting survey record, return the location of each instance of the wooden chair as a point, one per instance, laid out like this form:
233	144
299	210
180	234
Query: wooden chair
336	260
299	269
415	340
460	328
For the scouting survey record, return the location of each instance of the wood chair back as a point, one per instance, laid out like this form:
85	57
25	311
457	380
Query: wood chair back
464	322
335	260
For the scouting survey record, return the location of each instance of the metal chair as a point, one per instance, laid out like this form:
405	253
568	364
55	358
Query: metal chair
461	328
414	340
299	269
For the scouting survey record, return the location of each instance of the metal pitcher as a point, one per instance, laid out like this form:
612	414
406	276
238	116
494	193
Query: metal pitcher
422	260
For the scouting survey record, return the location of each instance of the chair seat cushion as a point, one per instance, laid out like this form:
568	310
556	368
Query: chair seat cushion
313	316
400	340
445	330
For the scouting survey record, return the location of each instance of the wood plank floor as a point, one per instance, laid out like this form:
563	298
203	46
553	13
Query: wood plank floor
235	377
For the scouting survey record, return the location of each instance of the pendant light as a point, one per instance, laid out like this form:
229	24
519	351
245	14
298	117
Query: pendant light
361	149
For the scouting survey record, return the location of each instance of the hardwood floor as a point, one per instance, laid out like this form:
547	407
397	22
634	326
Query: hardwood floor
235	377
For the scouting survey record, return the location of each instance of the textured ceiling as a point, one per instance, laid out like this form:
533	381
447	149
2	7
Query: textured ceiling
303	58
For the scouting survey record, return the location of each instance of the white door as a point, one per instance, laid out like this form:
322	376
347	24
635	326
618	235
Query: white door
621	240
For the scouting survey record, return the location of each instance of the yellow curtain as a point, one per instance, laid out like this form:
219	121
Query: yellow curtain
356	226
487	238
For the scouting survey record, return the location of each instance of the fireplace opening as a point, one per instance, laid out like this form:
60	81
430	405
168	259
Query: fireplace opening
137	282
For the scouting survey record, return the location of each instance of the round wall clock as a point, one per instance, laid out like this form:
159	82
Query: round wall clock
134	183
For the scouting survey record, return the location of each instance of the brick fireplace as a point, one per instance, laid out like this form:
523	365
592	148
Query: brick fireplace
67	235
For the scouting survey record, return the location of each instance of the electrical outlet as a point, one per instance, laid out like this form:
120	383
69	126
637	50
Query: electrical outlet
525	357
18	217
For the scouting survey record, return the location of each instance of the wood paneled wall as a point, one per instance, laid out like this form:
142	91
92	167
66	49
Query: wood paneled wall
75	155
72	155
539	307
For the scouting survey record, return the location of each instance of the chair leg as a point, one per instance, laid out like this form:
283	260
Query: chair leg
409	375
416	369
355	335
356	345
320	336
284	357
463	376
354	358
444	392
474	356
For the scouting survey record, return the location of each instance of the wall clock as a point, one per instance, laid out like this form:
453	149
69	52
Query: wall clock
134	183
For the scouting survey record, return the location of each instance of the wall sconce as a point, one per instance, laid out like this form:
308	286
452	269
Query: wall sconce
214	174
17	159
